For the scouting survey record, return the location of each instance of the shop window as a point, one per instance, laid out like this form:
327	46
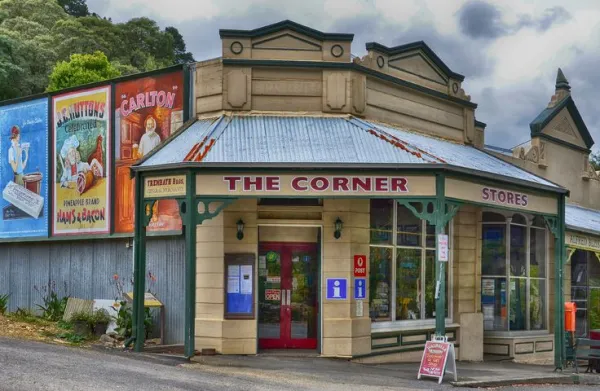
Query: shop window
585	291
514	267
401	265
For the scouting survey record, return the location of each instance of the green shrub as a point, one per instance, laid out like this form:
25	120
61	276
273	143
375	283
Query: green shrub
54	306
101	316
4	303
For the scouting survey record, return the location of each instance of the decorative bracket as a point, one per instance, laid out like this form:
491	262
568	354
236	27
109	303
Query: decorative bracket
552	225
206	208
451	208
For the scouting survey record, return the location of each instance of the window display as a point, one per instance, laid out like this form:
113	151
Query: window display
401	265
520	306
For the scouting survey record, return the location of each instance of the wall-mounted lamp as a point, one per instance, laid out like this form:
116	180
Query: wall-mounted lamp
338	228
240	229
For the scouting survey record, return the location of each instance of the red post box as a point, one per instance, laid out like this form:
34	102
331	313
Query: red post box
570	309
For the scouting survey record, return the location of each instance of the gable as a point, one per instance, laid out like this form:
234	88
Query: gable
562	127
287	41
563	123
418	64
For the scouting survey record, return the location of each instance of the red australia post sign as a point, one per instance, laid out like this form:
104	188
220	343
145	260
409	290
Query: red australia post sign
360	266
434	359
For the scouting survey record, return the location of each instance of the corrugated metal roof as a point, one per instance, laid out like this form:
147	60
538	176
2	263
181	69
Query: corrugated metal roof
493	148
175	150
582	219
465	156
312	139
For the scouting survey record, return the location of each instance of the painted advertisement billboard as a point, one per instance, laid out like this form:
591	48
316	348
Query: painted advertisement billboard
81	150
147	112
24	169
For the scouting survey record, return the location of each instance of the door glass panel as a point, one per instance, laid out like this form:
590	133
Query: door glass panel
304	295
269	280
493	303
408	284
594	308
518	304
537	309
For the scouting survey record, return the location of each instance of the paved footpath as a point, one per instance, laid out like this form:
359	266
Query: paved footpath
26	365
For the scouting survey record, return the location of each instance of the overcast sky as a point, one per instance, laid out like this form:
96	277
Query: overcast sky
508	50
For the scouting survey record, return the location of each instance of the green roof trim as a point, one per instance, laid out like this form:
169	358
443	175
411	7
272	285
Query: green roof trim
544	118
479	124
419	45
285	25
561	80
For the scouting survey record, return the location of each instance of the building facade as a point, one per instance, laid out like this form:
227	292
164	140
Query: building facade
288	195
314	162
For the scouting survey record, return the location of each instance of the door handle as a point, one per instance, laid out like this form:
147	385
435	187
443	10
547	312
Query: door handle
283	301
289	297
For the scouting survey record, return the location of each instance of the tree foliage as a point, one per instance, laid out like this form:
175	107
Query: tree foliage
595	160
82	69
74	7
37	35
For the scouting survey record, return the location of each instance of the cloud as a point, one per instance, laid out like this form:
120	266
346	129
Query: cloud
509	50
478	19
549	17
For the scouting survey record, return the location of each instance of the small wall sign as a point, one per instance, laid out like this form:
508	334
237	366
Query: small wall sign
360	266
337	289
442	247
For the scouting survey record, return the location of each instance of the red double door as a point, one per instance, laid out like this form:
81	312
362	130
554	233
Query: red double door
288	295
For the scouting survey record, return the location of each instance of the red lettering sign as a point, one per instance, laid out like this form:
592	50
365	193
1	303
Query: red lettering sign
338	184
360	266
434	359
504	197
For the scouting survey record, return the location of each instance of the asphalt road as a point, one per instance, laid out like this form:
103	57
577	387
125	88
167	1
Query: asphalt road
26	365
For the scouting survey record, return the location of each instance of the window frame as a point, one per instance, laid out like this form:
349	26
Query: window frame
529	218
393	324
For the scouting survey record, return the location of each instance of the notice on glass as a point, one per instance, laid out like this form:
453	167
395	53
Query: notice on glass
233	284
233	279
487	287
262	262
246	280
233	271
488	312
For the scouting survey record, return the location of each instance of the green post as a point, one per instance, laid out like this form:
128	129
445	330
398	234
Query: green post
559	297
440	267
190	272
139	266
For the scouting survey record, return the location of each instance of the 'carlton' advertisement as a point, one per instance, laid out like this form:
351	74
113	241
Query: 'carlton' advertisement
24	169
81	121
147	112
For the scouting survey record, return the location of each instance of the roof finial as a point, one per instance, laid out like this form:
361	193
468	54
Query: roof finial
561	81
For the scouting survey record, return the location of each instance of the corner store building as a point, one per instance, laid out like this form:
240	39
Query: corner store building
292	136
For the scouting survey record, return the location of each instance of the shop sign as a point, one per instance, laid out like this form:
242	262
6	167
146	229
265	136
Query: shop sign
313	185
504	197
337	289
581	241
442	247
165	186
360	266
272	294
493	196
435	358
360	288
